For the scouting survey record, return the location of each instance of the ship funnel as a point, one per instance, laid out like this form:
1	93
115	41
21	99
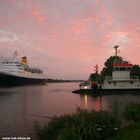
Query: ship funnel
24	60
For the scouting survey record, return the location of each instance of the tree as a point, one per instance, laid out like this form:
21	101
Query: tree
94	76
135	71
107	70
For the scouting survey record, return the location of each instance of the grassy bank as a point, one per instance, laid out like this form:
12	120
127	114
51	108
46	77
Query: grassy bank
131	132
91	125
131	129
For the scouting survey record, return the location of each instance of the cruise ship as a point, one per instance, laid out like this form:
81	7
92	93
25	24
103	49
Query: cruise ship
15	71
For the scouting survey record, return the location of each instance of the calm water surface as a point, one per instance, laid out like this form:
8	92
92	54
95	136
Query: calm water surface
20	106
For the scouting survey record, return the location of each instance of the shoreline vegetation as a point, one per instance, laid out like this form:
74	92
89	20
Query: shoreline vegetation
120	123
49	80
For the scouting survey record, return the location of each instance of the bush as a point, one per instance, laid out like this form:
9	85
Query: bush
132	112
83	125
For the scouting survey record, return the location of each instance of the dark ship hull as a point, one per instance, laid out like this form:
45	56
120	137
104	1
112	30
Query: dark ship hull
13	80
102	92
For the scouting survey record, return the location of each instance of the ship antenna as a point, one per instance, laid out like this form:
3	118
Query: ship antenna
116	50
116	53
96	69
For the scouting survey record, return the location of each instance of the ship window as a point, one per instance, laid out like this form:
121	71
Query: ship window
128	69
109	82
122	69
116	69
131	82
114	83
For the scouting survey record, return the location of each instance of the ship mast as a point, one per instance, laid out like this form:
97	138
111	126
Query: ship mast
96	69
116	50
116	53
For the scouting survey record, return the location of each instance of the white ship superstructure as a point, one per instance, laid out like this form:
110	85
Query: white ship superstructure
15	71
121	78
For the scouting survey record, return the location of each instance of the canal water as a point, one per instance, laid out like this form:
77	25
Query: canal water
21	106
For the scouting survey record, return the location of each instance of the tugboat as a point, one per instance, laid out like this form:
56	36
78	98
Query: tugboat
119	82
121	79
92	85
14	71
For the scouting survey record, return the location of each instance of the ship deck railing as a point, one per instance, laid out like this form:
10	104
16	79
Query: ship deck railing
123	80
132	78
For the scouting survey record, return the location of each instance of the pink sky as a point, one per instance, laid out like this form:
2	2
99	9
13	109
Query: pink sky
66	38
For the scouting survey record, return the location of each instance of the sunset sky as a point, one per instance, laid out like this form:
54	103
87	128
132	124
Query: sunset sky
66	38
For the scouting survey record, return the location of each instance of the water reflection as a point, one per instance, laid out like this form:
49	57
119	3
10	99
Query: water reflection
98	104
15	105
86	101
90	102
108	101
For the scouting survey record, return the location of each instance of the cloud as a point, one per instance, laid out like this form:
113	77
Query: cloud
67	37
118	38
6	36
92	21
37	12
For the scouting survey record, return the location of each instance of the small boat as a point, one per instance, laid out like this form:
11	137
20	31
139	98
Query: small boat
119	82
14	71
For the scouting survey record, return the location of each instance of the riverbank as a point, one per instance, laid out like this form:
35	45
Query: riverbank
131	132
117	124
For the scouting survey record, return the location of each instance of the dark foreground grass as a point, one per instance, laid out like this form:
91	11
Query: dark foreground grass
92	125
82	125
131	132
